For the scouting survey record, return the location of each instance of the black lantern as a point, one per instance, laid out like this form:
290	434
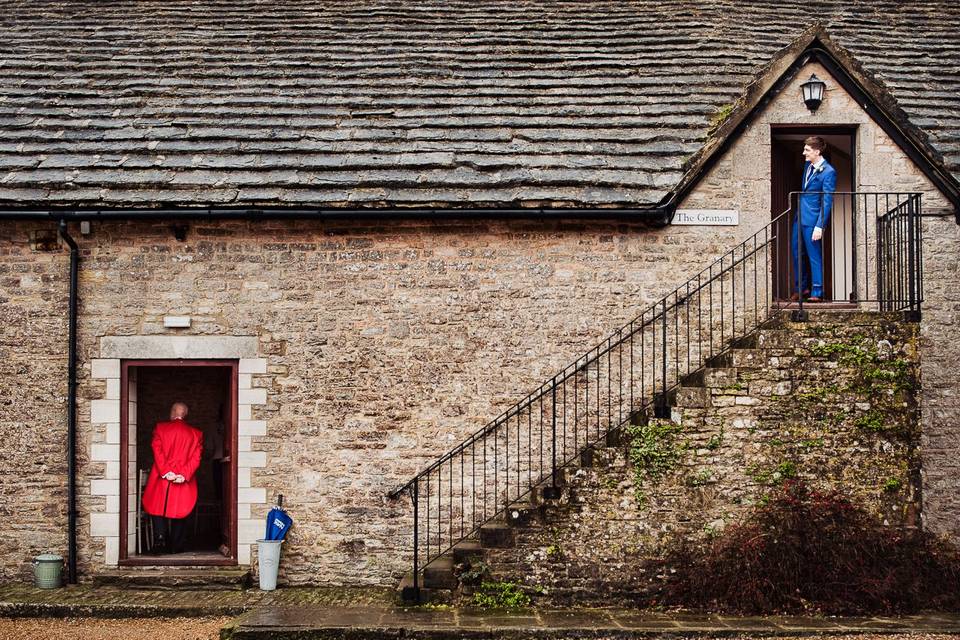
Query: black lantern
813	92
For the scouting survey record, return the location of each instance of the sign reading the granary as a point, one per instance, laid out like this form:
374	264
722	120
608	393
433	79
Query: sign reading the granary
707	217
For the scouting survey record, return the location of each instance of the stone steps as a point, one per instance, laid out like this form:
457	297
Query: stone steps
179	577
545	504
724	393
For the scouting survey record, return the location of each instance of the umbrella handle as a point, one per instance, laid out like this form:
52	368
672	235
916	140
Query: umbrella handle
280	500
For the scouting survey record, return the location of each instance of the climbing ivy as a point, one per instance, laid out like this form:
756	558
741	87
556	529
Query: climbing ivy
654	449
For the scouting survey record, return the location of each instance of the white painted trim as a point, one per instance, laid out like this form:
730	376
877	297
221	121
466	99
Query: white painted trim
105	521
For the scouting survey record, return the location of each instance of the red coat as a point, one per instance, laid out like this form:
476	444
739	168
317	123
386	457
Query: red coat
176	447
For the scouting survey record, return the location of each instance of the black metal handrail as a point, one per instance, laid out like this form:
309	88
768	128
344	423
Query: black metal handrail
873	259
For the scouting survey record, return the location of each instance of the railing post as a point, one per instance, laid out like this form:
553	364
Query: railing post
882	247
799	315
416	541
552	491
911	255
660	410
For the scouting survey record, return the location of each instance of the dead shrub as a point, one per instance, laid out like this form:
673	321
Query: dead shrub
806	550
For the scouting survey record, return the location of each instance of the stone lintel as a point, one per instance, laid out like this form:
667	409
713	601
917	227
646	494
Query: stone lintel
178	347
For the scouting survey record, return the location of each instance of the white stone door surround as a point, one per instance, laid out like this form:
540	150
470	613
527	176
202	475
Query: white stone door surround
105	414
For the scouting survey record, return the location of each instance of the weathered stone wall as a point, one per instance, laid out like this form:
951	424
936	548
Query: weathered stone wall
742	177
832	402
941	382
382	347
33	390
385	343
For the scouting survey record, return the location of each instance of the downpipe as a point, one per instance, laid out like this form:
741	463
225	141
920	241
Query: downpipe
72	408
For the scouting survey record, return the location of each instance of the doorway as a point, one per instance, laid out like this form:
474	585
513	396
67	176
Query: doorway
839	240
209	389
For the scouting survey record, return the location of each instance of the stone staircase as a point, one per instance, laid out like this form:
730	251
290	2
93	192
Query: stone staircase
830	400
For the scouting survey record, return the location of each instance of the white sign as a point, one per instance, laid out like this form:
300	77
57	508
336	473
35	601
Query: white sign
708	217
176	322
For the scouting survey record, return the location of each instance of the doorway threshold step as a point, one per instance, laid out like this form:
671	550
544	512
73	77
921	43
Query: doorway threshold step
175	577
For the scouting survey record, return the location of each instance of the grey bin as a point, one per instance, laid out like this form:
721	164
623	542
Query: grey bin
47	568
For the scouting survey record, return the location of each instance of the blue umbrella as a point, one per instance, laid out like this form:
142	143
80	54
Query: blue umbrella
278	522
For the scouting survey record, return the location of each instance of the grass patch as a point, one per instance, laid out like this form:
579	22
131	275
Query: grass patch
500	595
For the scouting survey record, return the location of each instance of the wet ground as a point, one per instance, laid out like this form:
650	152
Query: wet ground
91	613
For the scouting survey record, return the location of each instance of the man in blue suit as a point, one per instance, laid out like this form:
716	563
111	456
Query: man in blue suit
816	202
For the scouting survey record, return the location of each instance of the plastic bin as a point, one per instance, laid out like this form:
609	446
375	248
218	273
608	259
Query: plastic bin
268	558
47	569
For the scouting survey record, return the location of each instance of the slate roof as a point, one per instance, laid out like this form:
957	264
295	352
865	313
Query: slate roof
430	103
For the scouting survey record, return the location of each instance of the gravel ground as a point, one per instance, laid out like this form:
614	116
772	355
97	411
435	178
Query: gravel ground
111	629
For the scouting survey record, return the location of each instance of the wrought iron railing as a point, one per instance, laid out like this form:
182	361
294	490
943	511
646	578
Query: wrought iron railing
874	255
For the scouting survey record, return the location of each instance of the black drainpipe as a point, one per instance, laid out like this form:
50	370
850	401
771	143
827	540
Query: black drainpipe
72	410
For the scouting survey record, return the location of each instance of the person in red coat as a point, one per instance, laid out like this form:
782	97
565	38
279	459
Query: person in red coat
171	491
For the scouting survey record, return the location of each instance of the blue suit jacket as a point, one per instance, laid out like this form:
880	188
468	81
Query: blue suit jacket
815	207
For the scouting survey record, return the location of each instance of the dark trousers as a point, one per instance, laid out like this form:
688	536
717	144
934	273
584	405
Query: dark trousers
170	531
807	260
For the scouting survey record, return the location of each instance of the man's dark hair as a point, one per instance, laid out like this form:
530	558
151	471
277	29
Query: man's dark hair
816	142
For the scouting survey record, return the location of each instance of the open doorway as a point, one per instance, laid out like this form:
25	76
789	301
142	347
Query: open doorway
839	243
209	389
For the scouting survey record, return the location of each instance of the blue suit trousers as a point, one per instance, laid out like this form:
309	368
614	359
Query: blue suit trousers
808	262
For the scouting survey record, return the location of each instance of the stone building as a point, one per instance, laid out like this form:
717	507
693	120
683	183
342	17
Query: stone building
351	236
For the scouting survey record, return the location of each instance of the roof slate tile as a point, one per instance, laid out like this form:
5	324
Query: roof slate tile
395	103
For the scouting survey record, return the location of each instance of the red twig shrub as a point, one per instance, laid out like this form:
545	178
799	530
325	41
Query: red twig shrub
807	550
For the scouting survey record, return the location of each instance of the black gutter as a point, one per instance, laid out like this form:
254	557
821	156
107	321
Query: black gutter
656	214
72	409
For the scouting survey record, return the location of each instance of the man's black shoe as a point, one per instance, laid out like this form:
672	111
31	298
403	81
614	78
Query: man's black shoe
159	547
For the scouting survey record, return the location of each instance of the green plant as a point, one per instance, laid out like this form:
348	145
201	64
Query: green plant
703	477
892	485
719	118
874	369
475	572
500	595
715	441
871	421
654	450
768	476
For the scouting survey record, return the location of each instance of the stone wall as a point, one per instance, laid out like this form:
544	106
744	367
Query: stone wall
377	349
33	390
742	176
832	402
940	347
380	345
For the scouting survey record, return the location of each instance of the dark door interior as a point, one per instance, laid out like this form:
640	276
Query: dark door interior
787	177
208	390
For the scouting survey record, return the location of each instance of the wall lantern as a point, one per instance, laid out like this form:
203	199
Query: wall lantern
813	92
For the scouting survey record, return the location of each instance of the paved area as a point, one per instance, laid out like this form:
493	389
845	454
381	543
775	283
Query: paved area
372	613
278	623
87	600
